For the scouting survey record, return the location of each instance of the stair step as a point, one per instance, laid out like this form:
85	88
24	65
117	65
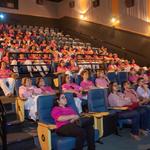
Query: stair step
7	100
11	116
21	135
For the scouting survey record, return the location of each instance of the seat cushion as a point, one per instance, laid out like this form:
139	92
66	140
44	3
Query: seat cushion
66	143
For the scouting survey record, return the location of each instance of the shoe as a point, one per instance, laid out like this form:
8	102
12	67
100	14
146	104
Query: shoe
135	137
144	132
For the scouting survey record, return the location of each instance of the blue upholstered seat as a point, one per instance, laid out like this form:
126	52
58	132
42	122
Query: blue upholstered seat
96	100
122	76
44	107
112	76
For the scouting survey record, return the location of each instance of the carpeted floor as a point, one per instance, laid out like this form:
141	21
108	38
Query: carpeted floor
125	142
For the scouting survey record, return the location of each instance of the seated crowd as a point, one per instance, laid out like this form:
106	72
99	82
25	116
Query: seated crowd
39	49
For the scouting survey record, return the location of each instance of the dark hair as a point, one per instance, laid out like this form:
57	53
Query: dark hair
123	84
55	103
84	71
38	81
139	79
111	86
64	78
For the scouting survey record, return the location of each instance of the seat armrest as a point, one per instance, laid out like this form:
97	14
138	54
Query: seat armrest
118	108
97	114
49	126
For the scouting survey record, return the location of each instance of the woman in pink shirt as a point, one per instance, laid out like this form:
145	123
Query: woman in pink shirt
142	74
65	118
7	76
86	84
62	67
101	80
133	76
40	83
69	86
73	66
112	67
29	94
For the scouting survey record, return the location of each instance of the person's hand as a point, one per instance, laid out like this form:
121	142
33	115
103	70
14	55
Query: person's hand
74	118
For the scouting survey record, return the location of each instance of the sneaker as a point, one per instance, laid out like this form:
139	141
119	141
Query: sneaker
144	132
135	137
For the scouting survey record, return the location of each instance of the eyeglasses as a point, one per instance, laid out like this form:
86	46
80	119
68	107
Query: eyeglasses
63	97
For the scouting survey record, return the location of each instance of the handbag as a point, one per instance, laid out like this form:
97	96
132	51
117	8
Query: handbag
85	121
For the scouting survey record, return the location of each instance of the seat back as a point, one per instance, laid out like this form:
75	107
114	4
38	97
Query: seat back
97	100
44	107
78	79
122	77
17	85
112	76
70	101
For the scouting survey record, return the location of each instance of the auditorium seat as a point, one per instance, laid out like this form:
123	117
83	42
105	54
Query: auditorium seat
45	124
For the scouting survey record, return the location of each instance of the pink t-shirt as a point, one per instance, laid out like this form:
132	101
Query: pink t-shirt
61	69
86	85
101	82
145	77
61	111
118	99
71	86
132	95
47	89
133	78
26	92
5	73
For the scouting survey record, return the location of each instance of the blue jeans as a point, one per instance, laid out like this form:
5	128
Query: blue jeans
144	117
147	109
134	116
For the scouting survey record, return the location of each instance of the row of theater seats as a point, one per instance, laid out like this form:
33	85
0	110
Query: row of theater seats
97	105
97	102
118	77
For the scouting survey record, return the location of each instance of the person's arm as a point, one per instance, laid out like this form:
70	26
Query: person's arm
67	117
115	101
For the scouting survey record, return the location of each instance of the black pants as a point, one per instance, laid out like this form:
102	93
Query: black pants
80	133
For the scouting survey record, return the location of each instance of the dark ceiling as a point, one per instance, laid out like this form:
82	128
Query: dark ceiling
55	0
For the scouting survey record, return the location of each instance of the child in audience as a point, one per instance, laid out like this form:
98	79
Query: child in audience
101	80
7	76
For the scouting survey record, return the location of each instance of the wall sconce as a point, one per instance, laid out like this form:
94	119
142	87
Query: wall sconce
114	21
83	17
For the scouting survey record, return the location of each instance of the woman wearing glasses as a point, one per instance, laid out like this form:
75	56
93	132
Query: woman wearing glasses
65	118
